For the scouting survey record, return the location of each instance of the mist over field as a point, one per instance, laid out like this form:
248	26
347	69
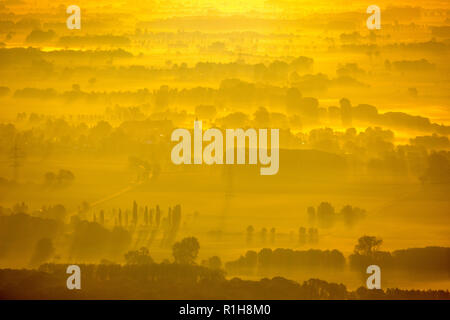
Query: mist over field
86	175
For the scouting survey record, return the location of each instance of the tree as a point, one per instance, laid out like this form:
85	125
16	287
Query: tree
367	245
250	230
49	178
262	118
325	215
264	259
20	208
272	235
251	258
214	262
301	235
438	170
311	211
263	235
346	112
135	210
186	250
63	178
16	156
138	257
351	215
57	212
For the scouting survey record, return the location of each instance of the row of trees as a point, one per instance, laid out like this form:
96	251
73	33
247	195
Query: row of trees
138	216
283	260
178	281
430	260
325	215
310	235
426	261
184	252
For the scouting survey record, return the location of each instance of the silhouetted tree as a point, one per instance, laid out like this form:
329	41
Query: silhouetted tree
301	236
263	235
139	257
102	217
186	251
325	215
20	208
438	170
250	231
135	212
157	216
367	245
311	212
351	215
346	112
272	235
213	262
